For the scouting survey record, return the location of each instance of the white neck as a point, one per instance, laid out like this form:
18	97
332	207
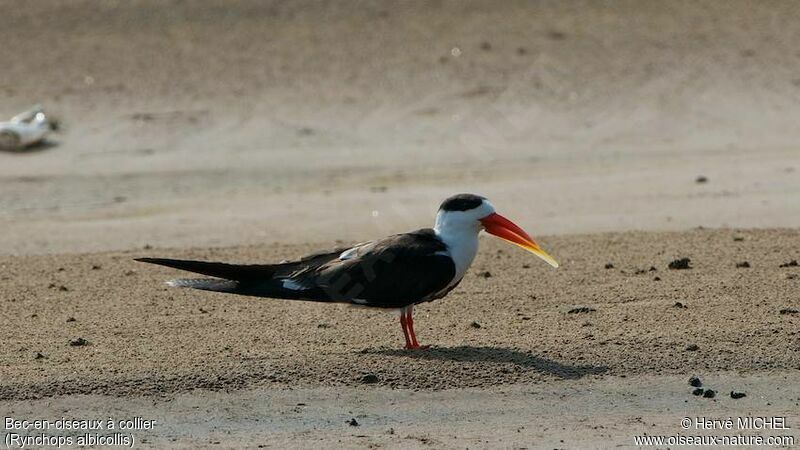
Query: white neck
461	238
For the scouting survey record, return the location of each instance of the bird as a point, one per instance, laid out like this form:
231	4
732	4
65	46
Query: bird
395	272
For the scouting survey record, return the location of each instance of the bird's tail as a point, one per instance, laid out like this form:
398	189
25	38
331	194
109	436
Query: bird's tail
252	280
234	272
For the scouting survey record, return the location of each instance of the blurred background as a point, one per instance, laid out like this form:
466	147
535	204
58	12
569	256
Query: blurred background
212	123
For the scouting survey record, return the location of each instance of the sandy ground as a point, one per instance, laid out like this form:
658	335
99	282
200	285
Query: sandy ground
256	131
586	413
521	329
186	339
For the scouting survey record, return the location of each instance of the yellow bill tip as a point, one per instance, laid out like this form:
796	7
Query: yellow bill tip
547	258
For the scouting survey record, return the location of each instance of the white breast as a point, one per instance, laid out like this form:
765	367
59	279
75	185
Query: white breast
462	248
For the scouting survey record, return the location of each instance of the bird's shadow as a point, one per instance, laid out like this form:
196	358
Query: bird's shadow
497	355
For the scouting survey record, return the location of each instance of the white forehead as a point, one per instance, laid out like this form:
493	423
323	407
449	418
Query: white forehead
482	211
468	217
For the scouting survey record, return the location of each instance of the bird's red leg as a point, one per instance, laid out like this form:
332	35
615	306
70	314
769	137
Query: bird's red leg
404	324
410	322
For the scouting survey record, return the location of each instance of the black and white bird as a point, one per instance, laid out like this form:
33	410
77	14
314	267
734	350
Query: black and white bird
396	272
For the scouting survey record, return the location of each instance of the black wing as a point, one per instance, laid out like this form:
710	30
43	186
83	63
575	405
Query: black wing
393	272
389	273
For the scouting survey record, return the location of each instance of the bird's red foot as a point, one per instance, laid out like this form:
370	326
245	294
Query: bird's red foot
417	347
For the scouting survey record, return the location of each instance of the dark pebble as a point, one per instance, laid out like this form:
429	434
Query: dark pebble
657	279
737	395
698	391
679	305
370	378
475	325
709	393
71	319
581	310
486	274
701	179
39	355
742	265
78	342
738	239
695	382
680	264
352	422
792	263
609	266
789	311
692	348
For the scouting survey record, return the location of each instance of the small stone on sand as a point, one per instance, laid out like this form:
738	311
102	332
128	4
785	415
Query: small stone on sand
680	264
370	378
79	342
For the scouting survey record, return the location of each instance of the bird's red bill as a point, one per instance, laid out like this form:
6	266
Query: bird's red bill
505	229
